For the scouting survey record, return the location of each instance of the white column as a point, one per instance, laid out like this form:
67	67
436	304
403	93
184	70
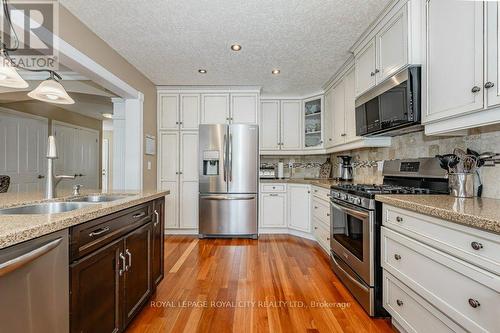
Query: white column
119	136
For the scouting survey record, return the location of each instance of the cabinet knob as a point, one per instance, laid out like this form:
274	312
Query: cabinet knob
330	139
308	191
397	257
343	134
315	228
475	89
41	177
489	85
177	123
377	71
327	238
399	219
327	214
372	74
476	246
474	303
315	207
399	302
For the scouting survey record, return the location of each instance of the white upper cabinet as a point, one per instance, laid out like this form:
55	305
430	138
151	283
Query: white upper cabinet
189	111
270	127
365	68
391	44
350	109
339	113
383	54
328	128
244	108
454	61
169	111
313	123
492	82
215	108
299	207
291	125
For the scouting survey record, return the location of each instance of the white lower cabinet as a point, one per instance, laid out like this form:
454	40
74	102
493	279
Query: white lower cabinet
299	207
437	270
273	210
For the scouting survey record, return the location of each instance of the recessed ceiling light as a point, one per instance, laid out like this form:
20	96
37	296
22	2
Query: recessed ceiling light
276	71
202	71
107	115
236	47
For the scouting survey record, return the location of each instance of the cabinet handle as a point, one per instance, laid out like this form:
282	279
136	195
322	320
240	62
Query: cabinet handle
399	219
489	85
474	303
475	89
377	71
399	302
157	218
139	215
372	74
315	207
99	231
343	134
327	214
129	260
397	257
315	191
124	264
327	238
476	246
273	195
328	195
41	177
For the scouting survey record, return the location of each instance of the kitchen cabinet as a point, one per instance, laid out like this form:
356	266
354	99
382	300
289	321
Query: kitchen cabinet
454	83
244	108
492	82
157	256
178	172
299	207
112	260
270	126
178	111
313	123
383	54
281	125
412	244
273	210
291	125
338	113
350	109
328	128
137	282
365	68
215	109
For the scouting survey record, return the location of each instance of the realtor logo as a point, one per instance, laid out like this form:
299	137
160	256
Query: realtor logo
34	25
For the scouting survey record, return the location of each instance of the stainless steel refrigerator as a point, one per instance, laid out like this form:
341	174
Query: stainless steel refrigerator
228	171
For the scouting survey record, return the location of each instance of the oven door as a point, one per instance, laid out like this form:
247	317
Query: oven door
351	238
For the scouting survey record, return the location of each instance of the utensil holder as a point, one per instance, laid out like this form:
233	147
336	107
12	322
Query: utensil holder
461	185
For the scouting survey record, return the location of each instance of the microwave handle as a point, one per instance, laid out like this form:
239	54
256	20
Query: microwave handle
356	213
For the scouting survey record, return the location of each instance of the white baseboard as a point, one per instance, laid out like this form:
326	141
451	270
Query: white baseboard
293	232
193	232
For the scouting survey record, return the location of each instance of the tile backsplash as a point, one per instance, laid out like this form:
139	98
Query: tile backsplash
303	166
419	145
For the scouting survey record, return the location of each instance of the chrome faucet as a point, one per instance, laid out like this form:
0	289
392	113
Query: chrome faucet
52	180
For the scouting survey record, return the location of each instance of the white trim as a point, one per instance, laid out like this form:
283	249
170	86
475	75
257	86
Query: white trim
61	123
41	76
204	89
287	231
193	232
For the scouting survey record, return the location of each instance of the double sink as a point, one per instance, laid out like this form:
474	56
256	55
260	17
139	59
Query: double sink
60	207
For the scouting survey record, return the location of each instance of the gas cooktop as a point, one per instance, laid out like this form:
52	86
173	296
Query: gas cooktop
369	190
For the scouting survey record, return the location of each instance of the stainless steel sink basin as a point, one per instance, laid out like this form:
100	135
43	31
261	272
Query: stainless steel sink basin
99	198
44	208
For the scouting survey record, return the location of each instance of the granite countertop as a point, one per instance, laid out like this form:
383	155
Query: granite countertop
19	228
480	213
325	183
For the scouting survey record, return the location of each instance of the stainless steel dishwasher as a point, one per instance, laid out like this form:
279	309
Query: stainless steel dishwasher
34	286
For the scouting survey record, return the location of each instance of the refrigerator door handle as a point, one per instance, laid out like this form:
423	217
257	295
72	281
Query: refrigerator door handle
230	162
224	197
224	157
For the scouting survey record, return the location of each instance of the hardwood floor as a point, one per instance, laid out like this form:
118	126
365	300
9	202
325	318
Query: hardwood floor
278	283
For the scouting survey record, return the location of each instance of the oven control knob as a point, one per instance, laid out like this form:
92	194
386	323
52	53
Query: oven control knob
343	196
356	201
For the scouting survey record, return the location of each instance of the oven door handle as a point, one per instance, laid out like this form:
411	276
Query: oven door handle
350	211
349	275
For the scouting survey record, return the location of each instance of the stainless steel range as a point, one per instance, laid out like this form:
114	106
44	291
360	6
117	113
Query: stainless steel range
356	219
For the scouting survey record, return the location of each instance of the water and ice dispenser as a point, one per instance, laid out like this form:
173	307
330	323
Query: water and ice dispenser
211	162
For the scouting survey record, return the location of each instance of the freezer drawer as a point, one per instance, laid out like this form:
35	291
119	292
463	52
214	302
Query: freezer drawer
228	214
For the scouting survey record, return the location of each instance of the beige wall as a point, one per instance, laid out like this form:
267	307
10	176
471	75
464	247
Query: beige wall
74	32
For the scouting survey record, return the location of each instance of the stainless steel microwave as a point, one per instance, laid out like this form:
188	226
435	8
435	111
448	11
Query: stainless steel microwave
392	107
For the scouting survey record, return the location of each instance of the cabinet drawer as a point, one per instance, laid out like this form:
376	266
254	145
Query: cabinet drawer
273	187
475	246
321	193
321	210
467	294
322	235
412	312
92	235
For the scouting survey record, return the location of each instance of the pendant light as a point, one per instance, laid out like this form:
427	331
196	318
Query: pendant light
51	91
9	77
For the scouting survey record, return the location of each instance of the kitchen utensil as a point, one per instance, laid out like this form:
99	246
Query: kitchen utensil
461	185
4	184
448	161
469	164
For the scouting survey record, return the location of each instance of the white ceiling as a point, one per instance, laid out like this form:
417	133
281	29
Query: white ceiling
170	40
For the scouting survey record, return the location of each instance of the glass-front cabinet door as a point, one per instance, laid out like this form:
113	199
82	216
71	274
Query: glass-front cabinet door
313	122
